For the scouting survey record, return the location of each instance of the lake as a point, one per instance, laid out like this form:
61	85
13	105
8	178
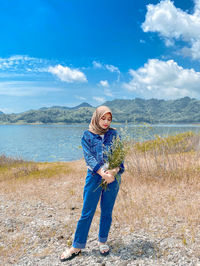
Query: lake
50	143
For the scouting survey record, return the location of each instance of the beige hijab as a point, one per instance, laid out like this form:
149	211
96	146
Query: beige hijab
94	126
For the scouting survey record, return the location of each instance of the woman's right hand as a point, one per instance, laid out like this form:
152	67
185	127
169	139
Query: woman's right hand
113	171
106	176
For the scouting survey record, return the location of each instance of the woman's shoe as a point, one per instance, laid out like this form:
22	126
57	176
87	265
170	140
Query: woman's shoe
102	248
69	255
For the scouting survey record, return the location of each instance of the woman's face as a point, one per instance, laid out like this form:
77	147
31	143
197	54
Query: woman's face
105	120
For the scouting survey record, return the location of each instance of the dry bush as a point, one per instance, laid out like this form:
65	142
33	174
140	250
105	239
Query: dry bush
16	168
7	161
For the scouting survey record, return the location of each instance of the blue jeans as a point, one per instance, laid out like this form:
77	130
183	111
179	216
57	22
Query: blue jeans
91	195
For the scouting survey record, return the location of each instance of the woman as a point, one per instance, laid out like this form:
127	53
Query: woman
95	141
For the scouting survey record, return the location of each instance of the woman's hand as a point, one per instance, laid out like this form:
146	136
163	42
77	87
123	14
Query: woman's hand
113	171
109	178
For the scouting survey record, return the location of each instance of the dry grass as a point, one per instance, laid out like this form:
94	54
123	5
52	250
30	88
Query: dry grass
159	194
57	185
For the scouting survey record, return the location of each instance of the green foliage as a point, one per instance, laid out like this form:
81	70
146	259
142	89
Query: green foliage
116	153
180	142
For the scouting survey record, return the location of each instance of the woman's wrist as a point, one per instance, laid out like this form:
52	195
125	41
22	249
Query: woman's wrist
100	172
118	169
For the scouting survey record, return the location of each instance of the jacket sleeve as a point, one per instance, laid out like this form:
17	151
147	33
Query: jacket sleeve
122	169
89	158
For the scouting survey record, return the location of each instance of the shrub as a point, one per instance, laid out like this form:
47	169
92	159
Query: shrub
183	142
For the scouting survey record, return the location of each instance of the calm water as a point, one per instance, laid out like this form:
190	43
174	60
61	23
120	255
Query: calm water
52	143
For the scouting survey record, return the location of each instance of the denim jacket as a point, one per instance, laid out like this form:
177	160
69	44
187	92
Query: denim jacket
94	147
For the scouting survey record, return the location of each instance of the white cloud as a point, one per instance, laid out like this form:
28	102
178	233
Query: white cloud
25	88
7	110
112	68
197	7
99	99
15	59
174	24
97	64
104	83
67	74
80	98
169	42
142	41
164	79
18	64
194	51
108	92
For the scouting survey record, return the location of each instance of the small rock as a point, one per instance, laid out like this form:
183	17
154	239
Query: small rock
60	237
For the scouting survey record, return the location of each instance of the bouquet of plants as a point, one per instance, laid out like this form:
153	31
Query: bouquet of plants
115	156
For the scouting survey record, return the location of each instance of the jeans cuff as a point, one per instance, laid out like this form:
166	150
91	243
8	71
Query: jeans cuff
78	245
103	239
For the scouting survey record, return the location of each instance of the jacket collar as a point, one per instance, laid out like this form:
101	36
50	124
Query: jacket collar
99	137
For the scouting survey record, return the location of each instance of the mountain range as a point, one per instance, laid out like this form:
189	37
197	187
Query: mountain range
183	110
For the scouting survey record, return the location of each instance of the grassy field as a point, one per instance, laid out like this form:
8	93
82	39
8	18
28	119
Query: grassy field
159	194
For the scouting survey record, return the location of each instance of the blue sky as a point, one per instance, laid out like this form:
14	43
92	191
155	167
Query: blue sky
64	52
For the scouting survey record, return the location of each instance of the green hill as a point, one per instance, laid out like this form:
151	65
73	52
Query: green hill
184	110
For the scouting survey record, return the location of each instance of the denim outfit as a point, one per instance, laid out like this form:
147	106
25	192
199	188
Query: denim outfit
95	157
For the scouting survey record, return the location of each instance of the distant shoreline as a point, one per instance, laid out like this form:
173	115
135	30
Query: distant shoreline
113	123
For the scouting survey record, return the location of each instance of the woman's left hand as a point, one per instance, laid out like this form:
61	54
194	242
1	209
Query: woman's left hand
113	171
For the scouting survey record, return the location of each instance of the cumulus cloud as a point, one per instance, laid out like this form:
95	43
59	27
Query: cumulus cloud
197	7
174	24
164	79
104	83
67	74
99	99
